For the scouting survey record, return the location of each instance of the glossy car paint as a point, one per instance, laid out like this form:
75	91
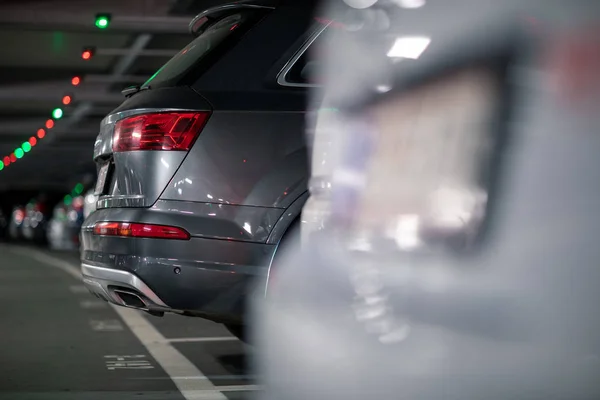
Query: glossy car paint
251	159
236	191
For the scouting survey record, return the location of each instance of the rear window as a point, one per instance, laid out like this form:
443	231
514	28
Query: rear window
204	50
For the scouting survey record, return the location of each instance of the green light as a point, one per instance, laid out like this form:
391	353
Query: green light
78	188
68	200
26	146
1	165
19	153
102	21
57	113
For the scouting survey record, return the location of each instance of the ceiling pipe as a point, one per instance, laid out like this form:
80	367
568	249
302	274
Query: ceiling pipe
29	19
96	78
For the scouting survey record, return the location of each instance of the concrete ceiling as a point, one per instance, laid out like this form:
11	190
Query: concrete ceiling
41	49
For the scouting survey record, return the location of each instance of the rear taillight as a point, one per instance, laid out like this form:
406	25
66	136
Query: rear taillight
159	131
133	229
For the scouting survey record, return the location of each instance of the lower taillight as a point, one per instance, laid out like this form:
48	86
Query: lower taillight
133	229
159	131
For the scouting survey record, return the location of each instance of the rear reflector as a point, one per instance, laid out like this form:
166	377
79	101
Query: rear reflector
132	229
159	131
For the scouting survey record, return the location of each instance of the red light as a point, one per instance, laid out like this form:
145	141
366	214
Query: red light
6	160
66	100
19	215
32	141
41	133
13	158
160	131
132	229
233	27
75	81
49	124
86	55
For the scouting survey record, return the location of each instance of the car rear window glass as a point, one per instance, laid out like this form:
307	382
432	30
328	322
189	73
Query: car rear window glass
203	50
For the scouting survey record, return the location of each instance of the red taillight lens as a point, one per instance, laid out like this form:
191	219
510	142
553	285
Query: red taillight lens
161	131
132	229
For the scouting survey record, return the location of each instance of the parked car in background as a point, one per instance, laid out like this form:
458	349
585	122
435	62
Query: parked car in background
16	222
3	226
65	225
35	220
202	171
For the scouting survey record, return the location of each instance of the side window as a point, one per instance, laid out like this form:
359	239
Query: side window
304	68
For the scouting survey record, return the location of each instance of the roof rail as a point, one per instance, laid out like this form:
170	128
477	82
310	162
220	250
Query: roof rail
199	23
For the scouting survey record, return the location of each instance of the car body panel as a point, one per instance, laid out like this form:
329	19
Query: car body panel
214	276
291	214
251	159
132	186
217	221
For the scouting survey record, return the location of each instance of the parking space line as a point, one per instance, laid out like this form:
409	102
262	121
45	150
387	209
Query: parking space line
203	339
168	357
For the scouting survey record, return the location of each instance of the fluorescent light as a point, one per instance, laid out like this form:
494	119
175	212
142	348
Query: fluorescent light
411	3
409	47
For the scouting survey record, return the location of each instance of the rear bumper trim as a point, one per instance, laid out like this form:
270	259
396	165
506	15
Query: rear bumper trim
97	279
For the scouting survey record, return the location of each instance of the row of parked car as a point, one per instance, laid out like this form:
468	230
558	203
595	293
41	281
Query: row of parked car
40	223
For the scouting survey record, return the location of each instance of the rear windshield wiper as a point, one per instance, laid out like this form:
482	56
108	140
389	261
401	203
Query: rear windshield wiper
131	90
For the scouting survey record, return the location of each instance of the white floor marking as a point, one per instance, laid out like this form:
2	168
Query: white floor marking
109	325
93	304
169	358
203	339
137	361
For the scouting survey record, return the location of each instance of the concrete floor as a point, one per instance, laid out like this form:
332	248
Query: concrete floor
60	342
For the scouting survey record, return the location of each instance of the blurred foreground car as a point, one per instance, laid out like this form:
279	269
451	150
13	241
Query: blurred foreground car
451	251
202	171
65	225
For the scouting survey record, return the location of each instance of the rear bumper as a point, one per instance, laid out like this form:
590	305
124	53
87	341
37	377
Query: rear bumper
207	277
213	289
107	283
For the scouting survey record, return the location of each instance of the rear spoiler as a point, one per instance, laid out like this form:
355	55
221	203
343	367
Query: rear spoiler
208	17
